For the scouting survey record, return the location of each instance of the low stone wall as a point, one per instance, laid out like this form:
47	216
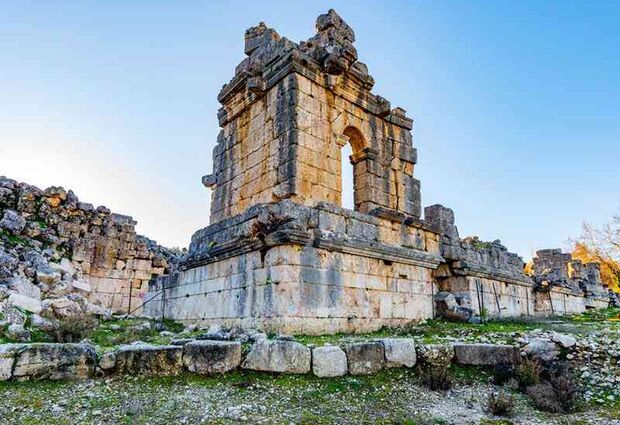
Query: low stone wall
211	357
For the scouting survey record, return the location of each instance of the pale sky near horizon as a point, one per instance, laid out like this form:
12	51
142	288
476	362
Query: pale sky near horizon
516	104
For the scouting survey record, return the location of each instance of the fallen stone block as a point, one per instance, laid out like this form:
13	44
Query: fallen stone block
154	360
211	357
399	352
107	362
27	303
542	349
54	361
278	356
486	354
329	361
365	358
565	341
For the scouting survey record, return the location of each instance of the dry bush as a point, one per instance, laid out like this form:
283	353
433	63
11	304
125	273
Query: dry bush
558	395
74	328
567	391
544	398
436	378
500	404
528	373
503	373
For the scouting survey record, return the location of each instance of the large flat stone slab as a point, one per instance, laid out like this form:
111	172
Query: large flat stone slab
208	357
155	360
486	354
278	356
329	361
54	361
365	358
30	304
399	352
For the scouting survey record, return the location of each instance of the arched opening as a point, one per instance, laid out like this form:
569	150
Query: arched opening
346	178
351	144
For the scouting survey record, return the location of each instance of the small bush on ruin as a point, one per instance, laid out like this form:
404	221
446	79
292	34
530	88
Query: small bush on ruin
558	395
528	373
500	404
544	398
567	391
436	378
74	328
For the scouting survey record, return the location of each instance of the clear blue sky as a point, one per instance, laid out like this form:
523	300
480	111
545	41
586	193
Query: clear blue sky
516	104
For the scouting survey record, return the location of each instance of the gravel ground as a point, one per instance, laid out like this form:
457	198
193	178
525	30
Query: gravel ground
391	397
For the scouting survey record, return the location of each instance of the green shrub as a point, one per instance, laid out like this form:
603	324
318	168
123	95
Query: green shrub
528	373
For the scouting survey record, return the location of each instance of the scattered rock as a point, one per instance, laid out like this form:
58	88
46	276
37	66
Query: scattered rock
565	341
29	304
13	222
107	362
542	349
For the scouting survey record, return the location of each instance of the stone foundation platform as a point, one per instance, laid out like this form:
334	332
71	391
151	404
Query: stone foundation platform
285	267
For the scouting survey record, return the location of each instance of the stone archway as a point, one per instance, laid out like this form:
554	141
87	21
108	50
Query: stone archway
360	155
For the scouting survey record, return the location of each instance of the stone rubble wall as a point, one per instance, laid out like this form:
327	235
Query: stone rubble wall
95	252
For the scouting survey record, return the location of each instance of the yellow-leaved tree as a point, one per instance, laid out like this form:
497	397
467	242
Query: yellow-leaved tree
602	245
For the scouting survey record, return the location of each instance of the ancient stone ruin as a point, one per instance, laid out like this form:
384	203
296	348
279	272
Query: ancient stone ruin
60	257
283	255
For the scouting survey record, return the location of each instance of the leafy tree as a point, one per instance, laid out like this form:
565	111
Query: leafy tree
602	245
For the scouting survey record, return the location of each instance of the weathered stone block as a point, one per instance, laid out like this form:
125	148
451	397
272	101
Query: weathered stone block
211	357
54	361
399	352
486	354
107	362
149	360
29	304
329	361
365	358
278	356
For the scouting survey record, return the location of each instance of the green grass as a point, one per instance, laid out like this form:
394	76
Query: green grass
105	337
14	240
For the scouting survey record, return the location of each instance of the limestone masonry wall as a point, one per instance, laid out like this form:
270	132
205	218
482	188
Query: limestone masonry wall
302	269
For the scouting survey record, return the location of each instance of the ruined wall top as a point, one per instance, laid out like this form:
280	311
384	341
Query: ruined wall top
286	114
470	255
552	267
